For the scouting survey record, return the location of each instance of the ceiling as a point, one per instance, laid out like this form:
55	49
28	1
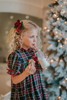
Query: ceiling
9	8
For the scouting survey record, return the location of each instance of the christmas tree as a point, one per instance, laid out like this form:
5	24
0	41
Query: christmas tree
56	32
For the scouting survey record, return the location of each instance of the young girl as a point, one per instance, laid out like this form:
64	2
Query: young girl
24	68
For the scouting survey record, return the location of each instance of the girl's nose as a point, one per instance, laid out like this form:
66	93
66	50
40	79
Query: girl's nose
34	40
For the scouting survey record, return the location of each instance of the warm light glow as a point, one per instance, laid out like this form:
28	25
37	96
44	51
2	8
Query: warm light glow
65	42
59	87
66	79
63	11
46	68
61	60
51	60
55	15
45	28
64	82
27	17
57	36
59	97
11	17
56	59
61	46
58	18
51	45
66	38
56	32
48	30
65	22
61	5
58	40
65	2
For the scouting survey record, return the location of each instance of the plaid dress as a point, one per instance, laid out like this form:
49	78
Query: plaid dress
32	87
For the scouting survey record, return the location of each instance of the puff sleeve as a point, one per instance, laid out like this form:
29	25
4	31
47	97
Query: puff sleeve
14	64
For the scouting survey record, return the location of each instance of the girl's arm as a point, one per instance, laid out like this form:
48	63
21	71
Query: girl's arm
18	78
30	69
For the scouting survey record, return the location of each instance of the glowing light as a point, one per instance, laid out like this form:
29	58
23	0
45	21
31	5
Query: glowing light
64	82
66	38
56	59
61	46
51	45
45	28
58	18
11	17
66	79
57	36
63	11
45	68
61	60
59	87
54	15
48	30
51	60
59	97
56	32
65	42
65	22
58	40
27	17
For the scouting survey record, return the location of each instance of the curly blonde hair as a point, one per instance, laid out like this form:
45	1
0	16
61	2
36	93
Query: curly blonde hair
13	37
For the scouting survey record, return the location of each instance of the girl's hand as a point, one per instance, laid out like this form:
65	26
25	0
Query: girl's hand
30	69
47	58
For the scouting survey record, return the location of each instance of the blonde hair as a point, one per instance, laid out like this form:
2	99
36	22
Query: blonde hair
13	37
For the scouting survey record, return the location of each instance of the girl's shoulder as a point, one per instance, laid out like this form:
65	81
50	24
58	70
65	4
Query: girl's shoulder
15	53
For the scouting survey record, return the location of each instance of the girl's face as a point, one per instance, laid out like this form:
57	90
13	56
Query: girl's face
30	39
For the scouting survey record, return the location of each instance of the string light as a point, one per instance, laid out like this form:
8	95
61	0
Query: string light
64	82
65	2
46	68
61	5
51	60
66	38
55	16
58	18
59	87
58	40
63	11
65	42
59	97
45	28
57	36
56	59
61	46
61	60
48	30
65	22
56	32
66	79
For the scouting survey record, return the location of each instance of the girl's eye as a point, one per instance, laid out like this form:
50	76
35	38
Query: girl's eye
33	36
36	36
